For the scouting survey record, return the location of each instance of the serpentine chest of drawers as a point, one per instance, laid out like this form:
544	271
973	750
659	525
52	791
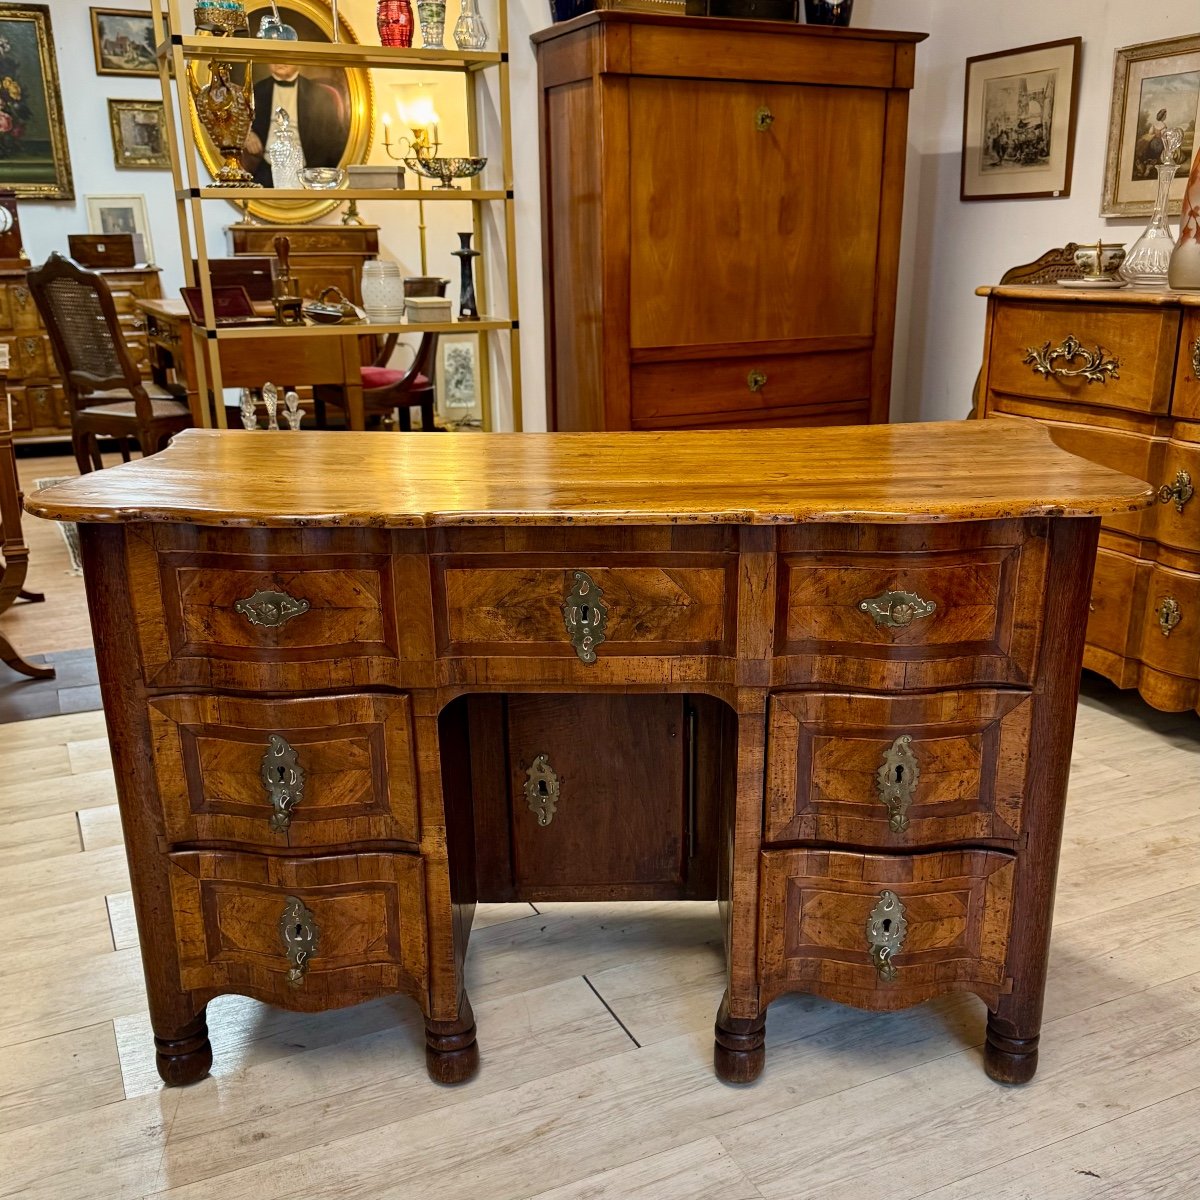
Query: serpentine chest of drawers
357	683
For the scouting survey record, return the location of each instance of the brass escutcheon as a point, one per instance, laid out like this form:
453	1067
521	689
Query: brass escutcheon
763	119
1169	614
886	931
270	609
1096	368
896	781
756	381
283	778
1181	491
300	936
1196	359
895	610
541	790
584	615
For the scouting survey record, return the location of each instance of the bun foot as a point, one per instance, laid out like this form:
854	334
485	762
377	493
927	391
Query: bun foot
187	1057
739	1053
451	1051
1008	1059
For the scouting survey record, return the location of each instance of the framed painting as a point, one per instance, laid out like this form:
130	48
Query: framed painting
123	42
1019	122
1156	86
119	214
139	133
34	161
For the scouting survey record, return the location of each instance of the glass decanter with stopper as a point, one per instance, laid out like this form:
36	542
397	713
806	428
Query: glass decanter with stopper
1146	264
284	152
470	33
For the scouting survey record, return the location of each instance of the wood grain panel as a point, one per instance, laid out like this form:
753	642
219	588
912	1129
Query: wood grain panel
355	751
1185	404
369	910
815	905
824	752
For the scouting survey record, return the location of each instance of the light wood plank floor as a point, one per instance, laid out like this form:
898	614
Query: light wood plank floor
569	1103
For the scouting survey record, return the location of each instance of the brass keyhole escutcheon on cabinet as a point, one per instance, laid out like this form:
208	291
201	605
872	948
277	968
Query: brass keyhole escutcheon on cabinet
283	778
1169	614
584	615
887	928
764	118
541	790
270	609
896	781
756	381
895	610
1180	491
1196	360
300	936
1095	369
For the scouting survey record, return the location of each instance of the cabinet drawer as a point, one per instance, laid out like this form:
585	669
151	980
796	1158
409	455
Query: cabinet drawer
881	607
1170	632
285	772
25	315
367	911
1141	341
30	356
666	393
897	771
1118	596
1186	402
823	911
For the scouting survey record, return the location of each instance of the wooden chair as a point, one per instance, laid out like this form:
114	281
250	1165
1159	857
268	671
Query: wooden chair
104	388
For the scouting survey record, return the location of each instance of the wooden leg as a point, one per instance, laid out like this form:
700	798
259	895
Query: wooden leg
13	659
739	1053
184	1055
79	446
451	1051
1006	1058
31	597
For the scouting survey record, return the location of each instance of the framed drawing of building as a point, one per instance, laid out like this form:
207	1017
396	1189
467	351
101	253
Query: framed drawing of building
123	42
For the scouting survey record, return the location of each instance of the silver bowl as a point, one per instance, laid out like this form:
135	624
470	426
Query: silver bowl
446	169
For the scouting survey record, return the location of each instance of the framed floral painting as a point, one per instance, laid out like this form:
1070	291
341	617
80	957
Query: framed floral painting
34	161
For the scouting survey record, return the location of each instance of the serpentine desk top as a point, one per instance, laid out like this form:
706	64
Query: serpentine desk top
938	471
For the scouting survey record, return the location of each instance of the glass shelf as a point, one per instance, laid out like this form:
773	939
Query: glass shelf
340	54
338	194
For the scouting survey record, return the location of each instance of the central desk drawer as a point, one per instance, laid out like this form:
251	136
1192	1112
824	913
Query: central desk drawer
274	773
895	771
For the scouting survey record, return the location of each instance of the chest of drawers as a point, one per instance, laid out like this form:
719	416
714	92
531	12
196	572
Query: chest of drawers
1115	377
837	698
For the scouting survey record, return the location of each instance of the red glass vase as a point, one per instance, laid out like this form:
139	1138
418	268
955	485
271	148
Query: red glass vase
395	21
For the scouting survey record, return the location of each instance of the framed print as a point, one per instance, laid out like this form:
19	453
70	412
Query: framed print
34	161
1019	122
119	214
123	42
1156	86
458	391
139	133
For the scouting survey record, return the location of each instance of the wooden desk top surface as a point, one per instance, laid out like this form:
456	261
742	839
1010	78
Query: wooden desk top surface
1041	292
949	471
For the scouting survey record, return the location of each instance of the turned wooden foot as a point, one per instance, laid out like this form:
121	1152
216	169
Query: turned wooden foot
31	597
739	1053
9	656
1009	1059
186	1057
451	1051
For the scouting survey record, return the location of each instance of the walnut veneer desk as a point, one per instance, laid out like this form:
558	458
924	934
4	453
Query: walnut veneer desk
355	684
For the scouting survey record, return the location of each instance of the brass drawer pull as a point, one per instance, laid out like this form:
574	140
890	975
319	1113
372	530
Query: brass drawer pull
584	615
1196	359
270	609
1181	491
283	778
541	790
22	295
1096	368
764	118
1169	614
897	609
886	931
300	936
896	781
756	381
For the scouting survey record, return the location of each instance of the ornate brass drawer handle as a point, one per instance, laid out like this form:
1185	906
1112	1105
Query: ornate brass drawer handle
764	118
22	295
270	609
897	609
756	381
896	781
887	928
1169	614
283	778
584	615
300	936
1196	359
1096	368
1181	491
541	790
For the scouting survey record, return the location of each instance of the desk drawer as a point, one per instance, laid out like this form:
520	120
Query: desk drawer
1170	633
933	923
1141	342
271	773
897	771
883	607
360	916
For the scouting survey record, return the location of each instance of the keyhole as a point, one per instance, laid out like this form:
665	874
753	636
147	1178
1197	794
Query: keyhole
583	612
299	931
887	924
900	774
543	790
277	773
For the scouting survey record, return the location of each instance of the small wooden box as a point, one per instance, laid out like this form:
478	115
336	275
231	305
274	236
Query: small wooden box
107	249
426	310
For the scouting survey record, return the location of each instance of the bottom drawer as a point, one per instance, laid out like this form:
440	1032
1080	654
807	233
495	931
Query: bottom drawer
885	931
302	933
1170	627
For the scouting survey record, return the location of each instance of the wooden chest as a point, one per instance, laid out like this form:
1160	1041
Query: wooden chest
1115	377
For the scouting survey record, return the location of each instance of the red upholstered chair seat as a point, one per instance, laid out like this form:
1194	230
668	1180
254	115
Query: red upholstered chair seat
381	377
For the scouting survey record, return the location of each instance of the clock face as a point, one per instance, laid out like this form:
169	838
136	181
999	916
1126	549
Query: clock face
6	219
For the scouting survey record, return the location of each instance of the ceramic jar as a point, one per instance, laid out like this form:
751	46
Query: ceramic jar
382	292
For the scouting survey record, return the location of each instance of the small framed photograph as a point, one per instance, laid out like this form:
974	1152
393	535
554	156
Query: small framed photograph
139	133
1019	122
123	40
119	214
458	392
1156	86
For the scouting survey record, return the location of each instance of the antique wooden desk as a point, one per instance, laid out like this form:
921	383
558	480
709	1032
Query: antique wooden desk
355	684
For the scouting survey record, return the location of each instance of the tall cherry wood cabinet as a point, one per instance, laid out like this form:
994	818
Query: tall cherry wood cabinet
721	207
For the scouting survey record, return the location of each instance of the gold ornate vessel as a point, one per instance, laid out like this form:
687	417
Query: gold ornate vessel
226	110
220	16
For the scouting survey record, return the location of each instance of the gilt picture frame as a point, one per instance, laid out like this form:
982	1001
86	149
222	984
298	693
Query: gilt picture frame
34	160
119	214
123	42
1019	114
139	134
1155	85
